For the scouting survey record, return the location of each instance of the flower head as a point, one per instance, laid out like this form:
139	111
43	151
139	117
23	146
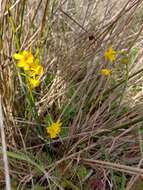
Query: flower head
54	129
25	59
110	54
106	72
36	69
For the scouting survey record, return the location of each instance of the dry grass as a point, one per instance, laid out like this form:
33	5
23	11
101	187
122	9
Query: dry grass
100	146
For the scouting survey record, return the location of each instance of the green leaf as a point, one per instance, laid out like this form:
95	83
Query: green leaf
48	120
69	185
138	185
123	182
82	172
64	132
133	55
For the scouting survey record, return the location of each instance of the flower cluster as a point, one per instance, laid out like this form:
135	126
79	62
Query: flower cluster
54	129
109	55
31	66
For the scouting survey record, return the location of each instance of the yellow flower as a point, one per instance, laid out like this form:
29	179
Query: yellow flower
54	129
106	72
110	54
36	70
25	59
33	82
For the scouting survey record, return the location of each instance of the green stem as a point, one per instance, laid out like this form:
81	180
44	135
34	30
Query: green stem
13	26
31	101
21	21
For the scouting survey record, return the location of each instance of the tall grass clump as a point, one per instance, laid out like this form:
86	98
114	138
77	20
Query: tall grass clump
71	94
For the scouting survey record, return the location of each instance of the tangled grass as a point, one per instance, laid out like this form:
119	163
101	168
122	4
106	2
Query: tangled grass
100	143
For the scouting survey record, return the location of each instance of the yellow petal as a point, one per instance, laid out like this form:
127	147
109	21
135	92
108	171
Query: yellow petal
26	67
17	56
106	72
33	82
30	59
38	70
22	64
25	53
